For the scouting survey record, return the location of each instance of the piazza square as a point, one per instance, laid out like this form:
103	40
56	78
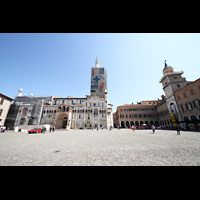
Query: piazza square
83	112
115	147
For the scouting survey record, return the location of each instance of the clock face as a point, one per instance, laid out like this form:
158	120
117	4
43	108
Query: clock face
167	92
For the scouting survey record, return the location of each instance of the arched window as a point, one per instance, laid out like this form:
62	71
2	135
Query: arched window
193	118
151	122
173	108
24	111
132	123
127	124
136	123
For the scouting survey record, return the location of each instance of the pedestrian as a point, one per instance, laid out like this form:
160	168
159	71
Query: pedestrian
153	128
178	130
53	128
50	129
133	128
43	129
97	128
102	128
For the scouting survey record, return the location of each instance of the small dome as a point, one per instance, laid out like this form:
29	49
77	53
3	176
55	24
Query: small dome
167	69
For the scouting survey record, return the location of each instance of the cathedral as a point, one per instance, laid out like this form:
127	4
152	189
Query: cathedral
65	113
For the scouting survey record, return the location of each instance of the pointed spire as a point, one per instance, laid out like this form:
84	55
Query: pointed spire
97	62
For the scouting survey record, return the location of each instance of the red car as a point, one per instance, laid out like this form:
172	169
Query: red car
35	130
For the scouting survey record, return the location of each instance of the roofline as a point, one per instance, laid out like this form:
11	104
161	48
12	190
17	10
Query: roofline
141	105
69	98
187	86
169	74
149	100
6	97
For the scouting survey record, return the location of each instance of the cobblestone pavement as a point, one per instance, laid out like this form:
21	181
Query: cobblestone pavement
87	147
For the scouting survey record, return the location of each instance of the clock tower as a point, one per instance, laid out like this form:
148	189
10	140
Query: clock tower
172	81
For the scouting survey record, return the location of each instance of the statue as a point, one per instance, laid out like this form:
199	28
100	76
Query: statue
165	63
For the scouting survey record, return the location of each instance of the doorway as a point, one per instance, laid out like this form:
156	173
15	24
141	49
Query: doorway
64	122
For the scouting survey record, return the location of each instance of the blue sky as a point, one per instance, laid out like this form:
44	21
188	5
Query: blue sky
60	63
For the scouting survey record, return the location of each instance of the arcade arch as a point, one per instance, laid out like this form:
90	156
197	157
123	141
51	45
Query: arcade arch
61	120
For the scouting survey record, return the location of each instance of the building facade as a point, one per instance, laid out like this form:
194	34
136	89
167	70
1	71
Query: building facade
66	113
188	100
180	105
5	102
143	112
163	113
181	96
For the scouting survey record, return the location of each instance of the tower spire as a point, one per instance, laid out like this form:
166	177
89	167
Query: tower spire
97	63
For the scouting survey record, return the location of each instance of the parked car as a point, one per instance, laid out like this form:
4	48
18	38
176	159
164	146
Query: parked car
35	130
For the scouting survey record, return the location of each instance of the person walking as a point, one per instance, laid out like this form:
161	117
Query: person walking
178	129
153	128
43	129
133	128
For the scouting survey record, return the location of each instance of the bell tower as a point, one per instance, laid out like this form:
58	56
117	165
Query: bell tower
172	81
98	80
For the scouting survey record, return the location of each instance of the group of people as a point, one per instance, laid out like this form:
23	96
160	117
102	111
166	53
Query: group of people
110	128
52	128
154	128
2	130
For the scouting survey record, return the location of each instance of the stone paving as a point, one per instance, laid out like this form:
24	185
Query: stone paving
105	148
